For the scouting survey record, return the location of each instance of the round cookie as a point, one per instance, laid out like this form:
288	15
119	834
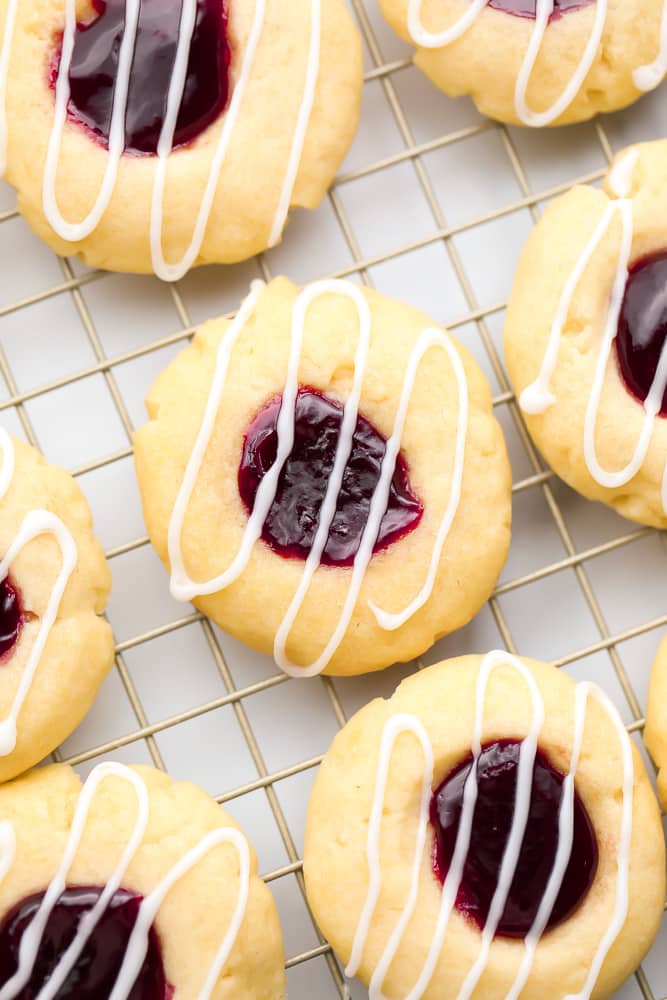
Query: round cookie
521	65
55	649
156	885
586	331
372	518
221	135
434	876
655	733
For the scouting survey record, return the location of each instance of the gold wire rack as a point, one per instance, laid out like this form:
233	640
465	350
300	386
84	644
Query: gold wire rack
74	284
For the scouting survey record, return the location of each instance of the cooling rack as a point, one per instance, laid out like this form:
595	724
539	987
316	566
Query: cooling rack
432	206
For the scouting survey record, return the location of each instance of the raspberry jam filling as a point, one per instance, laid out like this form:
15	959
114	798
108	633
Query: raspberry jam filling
94	70
528	8
494	812
642	327
12	618
95	971
291	524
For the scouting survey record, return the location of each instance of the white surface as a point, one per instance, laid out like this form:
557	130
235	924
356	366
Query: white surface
79	424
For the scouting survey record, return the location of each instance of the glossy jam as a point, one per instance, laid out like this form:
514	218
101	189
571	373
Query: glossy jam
494	811
292	521
95	63
12	618
642	327
95	971
527	8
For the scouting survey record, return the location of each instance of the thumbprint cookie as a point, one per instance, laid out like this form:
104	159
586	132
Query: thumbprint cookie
325	479
487	832
655	734
55	649
537	62
586	336
130	887
151	136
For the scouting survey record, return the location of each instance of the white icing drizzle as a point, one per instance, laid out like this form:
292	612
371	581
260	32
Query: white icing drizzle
5	52
645	77
537	397
649	77
312	72
395	727
433	338
538	119
76	231
35	523
625	835
137	946
398	725
183	588
138	943
34	932
437	40
173	272
328	508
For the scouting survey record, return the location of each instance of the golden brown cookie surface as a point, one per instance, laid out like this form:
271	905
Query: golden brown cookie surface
294	88
447	559
56	650
583	338
417	741
211	925
592	57
655	733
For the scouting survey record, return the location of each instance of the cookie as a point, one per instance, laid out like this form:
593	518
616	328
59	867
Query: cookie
489	831
55	649
145	138
585	336
130	886
534	62
325	479
655	733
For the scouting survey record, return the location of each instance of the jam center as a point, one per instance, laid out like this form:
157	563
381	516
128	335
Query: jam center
97	967
12	618
292	521
494	812
528	8
642	327
94	71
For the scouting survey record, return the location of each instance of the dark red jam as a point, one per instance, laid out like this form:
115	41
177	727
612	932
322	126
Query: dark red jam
527	8
12	618
94	974
494	811
642	327
292	521
95	64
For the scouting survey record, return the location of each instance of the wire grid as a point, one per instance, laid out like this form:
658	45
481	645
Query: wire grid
577	561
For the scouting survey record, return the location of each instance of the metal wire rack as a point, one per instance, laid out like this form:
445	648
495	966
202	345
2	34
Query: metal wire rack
562	527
